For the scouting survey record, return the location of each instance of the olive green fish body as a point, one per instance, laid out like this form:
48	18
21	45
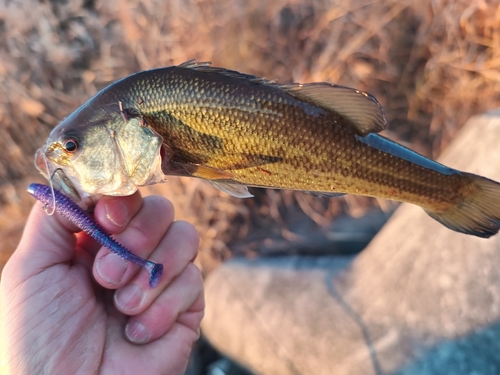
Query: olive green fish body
265	137
238	130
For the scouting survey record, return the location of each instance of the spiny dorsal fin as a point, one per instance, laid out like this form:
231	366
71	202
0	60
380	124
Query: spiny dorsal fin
192	64
362	109
206	67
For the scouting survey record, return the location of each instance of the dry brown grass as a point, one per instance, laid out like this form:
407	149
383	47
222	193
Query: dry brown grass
432	64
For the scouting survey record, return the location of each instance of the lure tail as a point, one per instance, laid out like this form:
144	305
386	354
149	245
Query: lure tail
477	212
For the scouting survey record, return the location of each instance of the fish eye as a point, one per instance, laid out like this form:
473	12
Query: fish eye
70	145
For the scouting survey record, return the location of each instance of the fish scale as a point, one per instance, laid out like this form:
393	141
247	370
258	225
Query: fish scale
238	130
344	148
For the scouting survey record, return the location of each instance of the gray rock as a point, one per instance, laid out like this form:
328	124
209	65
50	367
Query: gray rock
420	299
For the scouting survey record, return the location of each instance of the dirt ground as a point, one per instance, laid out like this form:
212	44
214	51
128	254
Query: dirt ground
431	63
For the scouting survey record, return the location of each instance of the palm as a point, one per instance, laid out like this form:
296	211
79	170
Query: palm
70	324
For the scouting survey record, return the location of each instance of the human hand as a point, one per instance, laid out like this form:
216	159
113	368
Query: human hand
58	318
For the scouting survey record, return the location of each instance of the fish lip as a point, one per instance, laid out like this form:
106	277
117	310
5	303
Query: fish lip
41	162
56	175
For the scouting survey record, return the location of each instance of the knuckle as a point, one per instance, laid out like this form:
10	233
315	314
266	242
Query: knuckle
139	239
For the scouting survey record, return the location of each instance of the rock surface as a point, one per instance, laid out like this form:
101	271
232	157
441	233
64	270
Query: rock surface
420	299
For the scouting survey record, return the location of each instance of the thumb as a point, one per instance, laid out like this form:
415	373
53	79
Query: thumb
47	240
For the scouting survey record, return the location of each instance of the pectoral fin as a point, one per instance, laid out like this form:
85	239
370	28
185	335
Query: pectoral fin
362	109
225	163
203	171
216	177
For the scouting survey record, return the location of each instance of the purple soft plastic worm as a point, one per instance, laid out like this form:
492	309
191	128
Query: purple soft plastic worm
85	222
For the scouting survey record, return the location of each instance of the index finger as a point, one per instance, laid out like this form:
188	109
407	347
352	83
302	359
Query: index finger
115	213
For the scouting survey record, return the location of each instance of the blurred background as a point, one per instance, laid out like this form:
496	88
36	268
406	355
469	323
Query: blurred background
431	63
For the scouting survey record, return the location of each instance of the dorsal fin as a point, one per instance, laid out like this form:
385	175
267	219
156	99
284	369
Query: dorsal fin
362	109
206	67
191	64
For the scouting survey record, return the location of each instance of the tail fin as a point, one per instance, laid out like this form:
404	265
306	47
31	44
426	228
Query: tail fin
478	213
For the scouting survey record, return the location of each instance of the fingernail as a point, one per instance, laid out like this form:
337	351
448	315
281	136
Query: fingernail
112	268
129	297
117	213
136	332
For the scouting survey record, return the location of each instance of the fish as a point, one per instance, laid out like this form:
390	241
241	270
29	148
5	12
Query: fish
58	202
238	130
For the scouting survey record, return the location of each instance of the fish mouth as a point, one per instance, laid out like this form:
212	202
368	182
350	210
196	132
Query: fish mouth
56	176
41	163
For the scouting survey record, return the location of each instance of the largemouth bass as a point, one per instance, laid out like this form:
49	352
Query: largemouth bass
237	130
